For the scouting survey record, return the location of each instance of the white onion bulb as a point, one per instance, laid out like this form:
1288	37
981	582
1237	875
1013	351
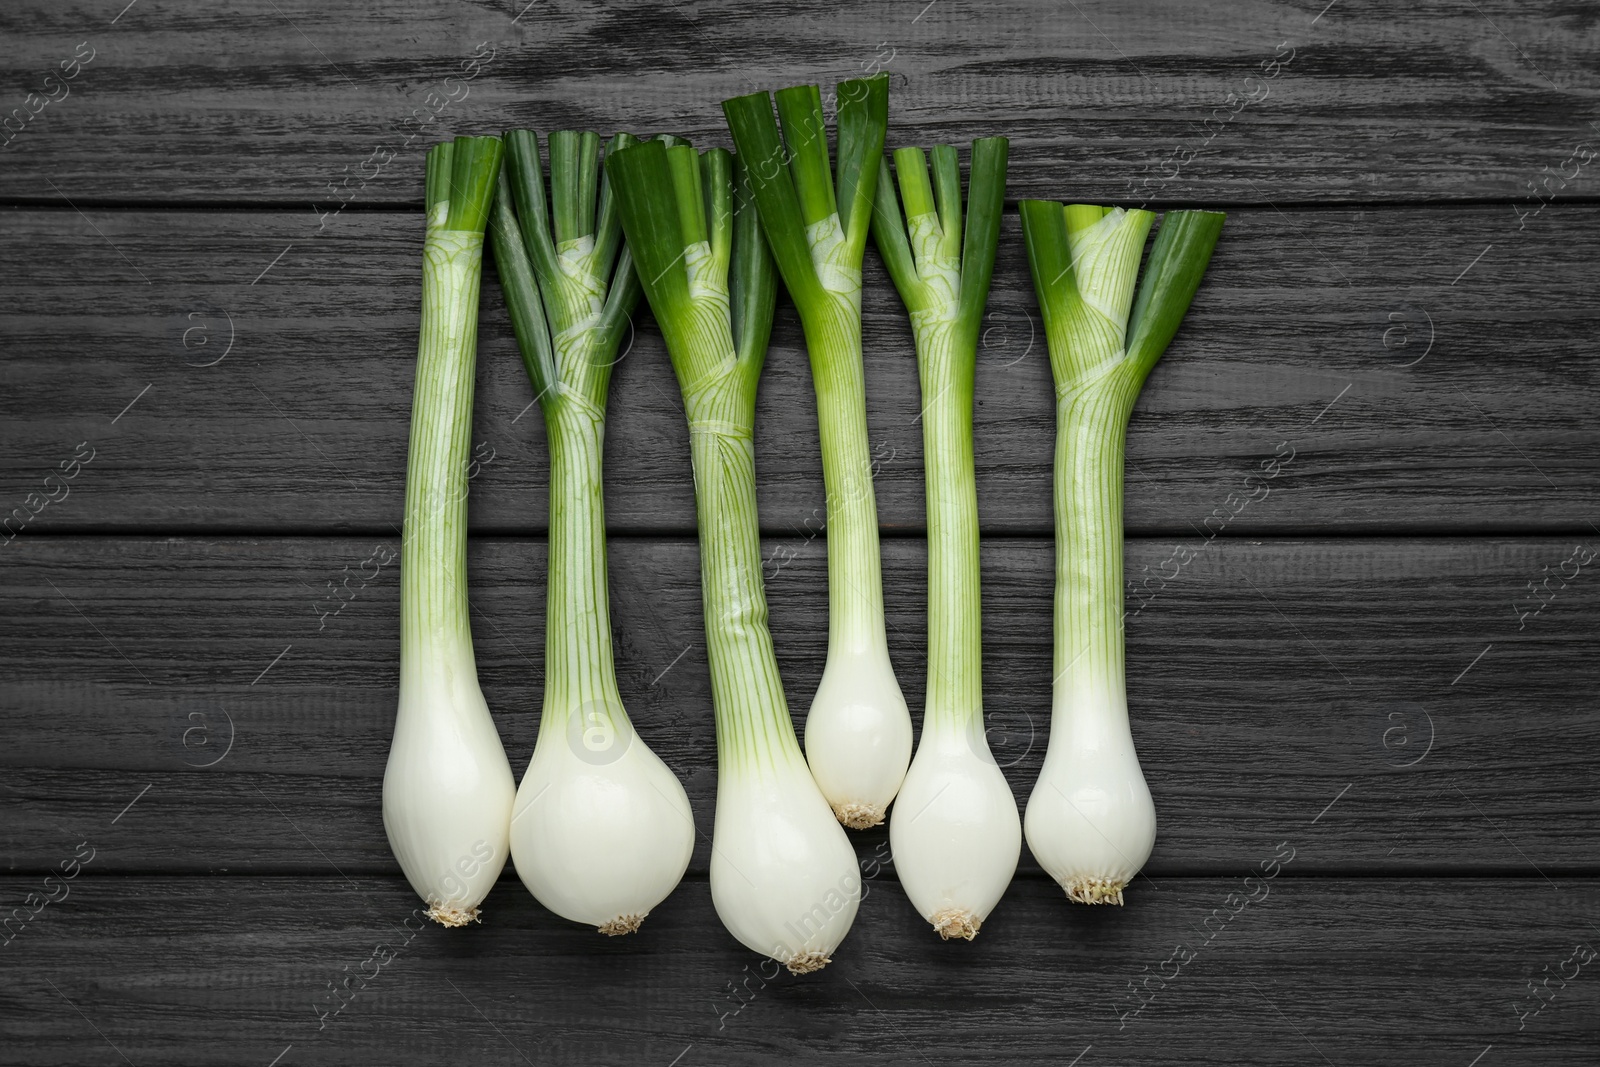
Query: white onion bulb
955	832
602	830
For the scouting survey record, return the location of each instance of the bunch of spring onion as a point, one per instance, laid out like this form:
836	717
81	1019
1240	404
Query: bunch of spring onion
816	219
955	830
783	875
447	789
1090	820
602	830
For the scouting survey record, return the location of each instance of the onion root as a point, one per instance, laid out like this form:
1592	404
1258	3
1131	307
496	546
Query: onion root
806	962
622	924
859	816
956	922
1094	891
453	915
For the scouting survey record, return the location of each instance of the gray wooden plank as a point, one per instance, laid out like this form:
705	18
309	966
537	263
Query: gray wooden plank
235	971
1380	690
1430	367
248	101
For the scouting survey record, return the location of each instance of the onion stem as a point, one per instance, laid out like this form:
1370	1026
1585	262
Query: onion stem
816	220
783	875
447	787
1090	819
955	830
602	829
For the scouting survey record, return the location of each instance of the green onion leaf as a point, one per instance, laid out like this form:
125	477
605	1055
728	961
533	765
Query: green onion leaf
755	134
522	295
648	207
1178	261
752	281
474	170
863	121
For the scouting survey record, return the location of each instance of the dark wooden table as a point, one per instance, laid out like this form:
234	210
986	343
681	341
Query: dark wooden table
1386	666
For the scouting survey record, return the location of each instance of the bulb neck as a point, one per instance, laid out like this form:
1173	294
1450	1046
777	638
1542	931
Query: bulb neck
580	673
855	577
754	731
1091	423
434	621
946	363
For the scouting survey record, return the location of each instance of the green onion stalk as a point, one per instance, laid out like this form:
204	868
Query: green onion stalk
601	832
955	831
1090	819
816	218
783	875
447	788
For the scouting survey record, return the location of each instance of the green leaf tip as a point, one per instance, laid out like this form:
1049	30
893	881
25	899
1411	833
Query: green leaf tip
550	282
1177	263
574	171
436	186
670	198
791	180
1084	261
986	198
462	174
647	204
752	279
579	203
947	238
517	281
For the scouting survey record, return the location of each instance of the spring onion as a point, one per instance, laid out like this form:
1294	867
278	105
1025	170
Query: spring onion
858	731
955	830
1090	820
783	875
447	789
602	830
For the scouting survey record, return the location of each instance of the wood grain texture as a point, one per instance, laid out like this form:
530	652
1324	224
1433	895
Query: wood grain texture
1268	682
1352	670
223	971
245	102
1432	369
